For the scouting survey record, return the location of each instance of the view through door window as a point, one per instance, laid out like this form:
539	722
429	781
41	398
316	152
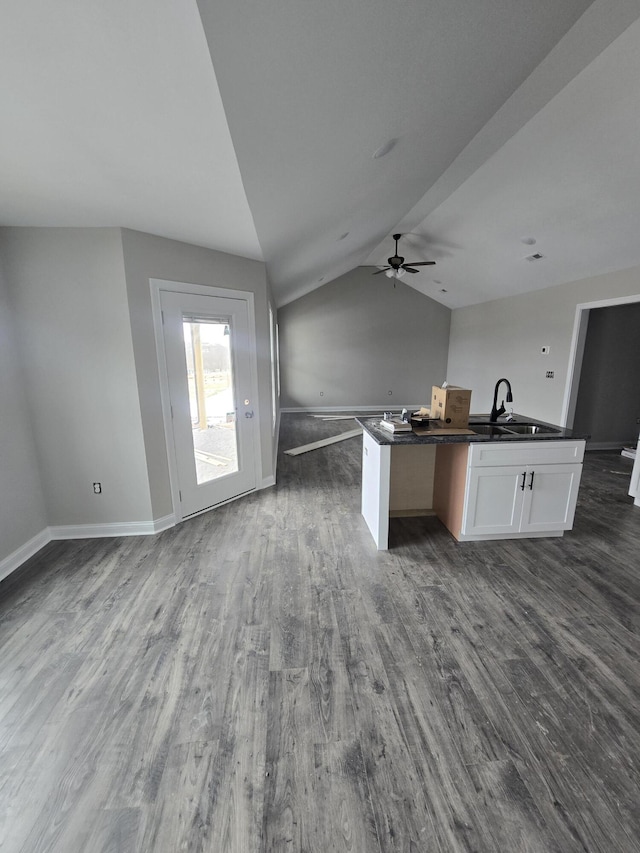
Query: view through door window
211	397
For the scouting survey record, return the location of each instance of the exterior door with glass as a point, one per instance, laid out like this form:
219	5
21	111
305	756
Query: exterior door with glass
208	359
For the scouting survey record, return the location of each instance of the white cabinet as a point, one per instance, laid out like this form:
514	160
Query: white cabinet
480	490
519	499
550	497
493	500
532	491
376	474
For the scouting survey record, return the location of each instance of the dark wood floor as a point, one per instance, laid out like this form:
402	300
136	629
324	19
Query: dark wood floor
261	679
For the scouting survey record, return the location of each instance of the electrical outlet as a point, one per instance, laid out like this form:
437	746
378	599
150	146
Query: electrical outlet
550	374
97	488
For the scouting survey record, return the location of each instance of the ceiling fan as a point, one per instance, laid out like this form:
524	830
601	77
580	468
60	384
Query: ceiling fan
397	267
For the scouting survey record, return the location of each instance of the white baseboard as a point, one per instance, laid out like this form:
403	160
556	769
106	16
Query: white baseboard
81	531
118	528
267	482
164	523
24	553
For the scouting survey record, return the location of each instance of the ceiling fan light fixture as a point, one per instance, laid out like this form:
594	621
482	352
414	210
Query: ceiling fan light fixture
397	267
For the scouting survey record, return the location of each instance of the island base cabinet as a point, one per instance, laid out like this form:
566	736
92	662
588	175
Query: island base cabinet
478	490
517	501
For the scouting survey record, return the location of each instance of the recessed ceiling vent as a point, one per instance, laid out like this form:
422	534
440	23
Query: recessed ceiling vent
536	257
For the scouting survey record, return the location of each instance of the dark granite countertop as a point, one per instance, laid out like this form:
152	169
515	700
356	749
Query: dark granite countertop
550	432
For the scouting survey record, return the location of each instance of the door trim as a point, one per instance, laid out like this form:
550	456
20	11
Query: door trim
158	285
576	351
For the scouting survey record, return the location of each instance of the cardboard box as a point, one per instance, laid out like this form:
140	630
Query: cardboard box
451	405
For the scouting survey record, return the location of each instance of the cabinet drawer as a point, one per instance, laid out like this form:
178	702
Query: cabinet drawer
525	453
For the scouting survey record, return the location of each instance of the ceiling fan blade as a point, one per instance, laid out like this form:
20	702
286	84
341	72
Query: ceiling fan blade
421	263
377	272
409	269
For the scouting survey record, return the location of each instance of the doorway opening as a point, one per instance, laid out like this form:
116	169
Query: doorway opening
576	352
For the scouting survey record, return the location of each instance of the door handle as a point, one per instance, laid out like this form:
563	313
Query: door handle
531	480
248	414
524	477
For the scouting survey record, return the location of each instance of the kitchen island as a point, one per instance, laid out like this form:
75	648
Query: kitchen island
511	480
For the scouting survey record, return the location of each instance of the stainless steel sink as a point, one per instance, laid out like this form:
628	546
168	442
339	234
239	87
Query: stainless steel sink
488	429
511	428
529	429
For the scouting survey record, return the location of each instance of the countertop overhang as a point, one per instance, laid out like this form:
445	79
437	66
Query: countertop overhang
381	436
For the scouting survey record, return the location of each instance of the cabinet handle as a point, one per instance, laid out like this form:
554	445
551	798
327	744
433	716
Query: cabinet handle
524	477
531	480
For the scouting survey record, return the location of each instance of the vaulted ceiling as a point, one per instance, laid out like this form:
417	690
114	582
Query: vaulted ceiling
251	127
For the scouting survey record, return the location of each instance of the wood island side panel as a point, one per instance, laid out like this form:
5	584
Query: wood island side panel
411	481
450	485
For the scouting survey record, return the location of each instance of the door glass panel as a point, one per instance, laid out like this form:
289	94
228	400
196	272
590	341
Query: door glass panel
211	397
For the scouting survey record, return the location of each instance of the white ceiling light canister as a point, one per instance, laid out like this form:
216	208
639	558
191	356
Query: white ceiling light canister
384	149
395	273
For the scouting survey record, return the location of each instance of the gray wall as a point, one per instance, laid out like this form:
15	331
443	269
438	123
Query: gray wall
72	315
504	337
356	339
79	388
609	393
22	510
147	256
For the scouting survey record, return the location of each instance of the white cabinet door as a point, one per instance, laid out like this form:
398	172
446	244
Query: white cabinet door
520	499
550	496
494	500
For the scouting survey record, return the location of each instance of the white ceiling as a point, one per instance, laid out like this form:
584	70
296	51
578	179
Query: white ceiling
249	127
111	116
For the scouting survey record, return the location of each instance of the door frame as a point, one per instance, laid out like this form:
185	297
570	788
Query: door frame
158	285
576	351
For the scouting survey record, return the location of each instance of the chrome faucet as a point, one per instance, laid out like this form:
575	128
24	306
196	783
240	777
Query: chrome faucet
495	411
